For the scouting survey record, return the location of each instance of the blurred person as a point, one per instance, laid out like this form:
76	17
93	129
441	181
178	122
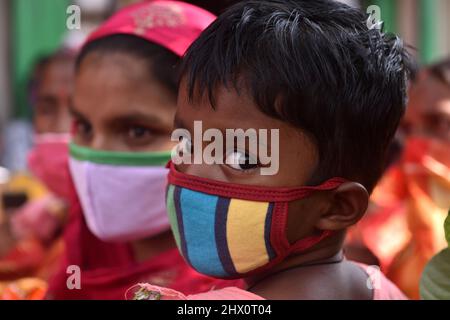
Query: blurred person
123	107
51	88
33	228
403	227
425	174
428	112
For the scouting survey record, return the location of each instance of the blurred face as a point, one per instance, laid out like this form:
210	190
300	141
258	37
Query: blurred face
55	89
428	111
118	106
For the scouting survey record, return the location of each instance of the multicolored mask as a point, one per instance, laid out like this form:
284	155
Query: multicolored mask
231	231
122	193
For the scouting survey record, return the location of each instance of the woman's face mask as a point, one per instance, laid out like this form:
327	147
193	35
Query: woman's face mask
232	231
48	161
121	193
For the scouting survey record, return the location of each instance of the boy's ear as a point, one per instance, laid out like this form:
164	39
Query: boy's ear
348	203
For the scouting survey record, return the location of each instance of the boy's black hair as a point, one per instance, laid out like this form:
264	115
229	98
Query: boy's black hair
162	63
313	64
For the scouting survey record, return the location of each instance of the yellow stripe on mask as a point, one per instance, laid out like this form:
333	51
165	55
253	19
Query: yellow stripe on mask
245	234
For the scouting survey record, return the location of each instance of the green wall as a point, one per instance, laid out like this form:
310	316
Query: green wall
38	27
428	33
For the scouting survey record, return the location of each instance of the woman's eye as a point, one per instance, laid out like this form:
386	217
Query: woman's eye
82	129
240	161
137	132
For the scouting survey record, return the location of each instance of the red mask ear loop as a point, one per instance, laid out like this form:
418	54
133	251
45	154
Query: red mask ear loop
309	242
278	235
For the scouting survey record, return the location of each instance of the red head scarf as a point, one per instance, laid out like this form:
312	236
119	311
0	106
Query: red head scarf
172	24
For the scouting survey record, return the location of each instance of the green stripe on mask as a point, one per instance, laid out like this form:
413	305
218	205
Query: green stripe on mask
159	158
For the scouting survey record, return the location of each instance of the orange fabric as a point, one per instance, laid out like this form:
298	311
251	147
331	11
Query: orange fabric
22	261
404	224
25	270
23	289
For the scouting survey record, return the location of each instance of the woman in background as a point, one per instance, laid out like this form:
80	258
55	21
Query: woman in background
37	204
123	108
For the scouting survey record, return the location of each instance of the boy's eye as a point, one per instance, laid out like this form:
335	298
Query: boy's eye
240	161
184	146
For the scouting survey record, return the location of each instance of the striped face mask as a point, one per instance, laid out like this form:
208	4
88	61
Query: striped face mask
232	231
121	193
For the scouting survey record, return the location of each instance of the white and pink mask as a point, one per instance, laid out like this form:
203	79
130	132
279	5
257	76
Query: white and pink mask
122	193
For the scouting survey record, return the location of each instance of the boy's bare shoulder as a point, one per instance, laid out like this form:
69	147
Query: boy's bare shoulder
343	281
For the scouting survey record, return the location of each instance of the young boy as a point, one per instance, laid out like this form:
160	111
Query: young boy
336	90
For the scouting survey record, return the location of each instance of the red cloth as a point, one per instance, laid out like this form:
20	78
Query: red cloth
109	270
171	24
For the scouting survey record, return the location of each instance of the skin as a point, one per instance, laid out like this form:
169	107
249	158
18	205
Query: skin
428	111
328	210
118	106
55	89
